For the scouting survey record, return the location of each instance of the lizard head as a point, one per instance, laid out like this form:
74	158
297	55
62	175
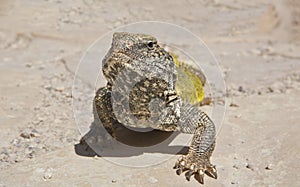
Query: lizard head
131	43
129	48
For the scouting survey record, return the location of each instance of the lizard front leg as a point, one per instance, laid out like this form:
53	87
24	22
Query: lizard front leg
197	161
103	117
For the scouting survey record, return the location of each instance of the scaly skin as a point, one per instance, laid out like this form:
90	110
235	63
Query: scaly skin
141	93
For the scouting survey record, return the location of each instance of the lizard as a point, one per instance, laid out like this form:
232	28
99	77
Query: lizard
141	93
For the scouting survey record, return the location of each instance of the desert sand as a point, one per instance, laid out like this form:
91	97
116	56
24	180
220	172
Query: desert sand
257	44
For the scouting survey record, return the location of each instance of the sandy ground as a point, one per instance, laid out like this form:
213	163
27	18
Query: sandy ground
257	44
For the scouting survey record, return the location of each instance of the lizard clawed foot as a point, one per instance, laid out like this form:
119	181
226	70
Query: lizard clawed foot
187	163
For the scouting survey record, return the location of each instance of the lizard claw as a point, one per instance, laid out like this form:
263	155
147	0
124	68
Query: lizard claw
180	166
179	171
188	174
211	171
195	166
199	176
177	164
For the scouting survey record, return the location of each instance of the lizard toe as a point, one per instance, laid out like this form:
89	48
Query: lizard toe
199	176
211	171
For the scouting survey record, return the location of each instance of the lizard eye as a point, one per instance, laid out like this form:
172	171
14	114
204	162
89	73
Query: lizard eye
150	45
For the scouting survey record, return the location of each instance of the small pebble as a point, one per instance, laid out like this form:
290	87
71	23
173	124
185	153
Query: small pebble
41	67
269	167
16	142
241	89
249	166
238	116
48	174
3	156
233	105
28	65
270	90
60	89
48	87
36	122
25	135
36	108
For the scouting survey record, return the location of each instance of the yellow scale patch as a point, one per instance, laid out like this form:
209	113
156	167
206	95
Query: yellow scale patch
188	85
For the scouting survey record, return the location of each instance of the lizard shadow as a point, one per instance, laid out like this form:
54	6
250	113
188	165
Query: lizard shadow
132	143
